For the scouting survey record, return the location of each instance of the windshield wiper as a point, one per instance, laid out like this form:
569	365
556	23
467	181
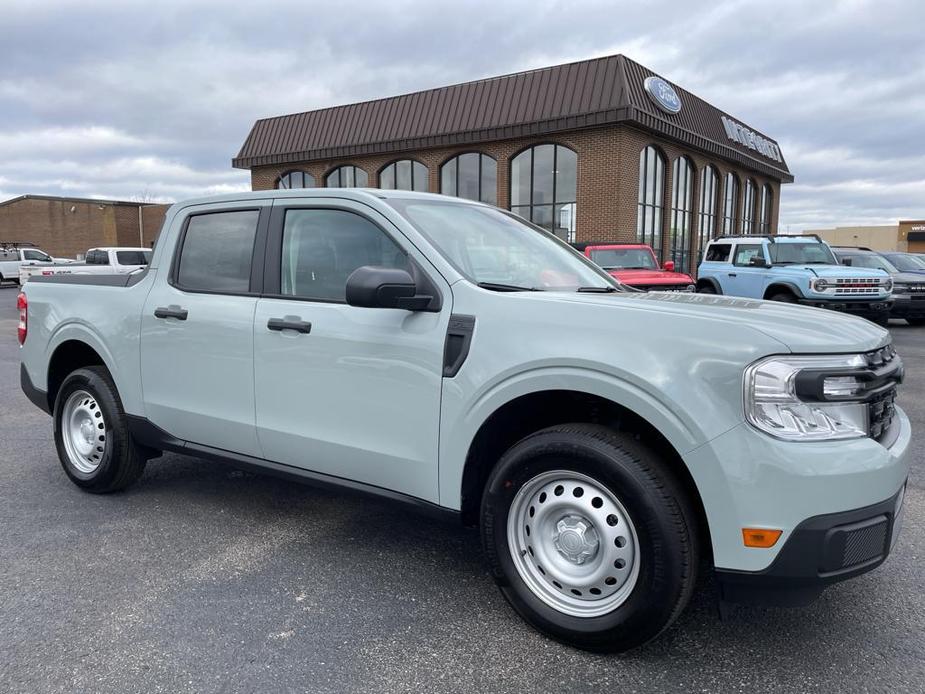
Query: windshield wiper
597	290
497	287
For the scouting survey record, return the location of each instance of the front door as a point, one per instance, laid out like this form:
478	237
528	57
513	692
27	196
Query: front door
197	345
342	390
744	278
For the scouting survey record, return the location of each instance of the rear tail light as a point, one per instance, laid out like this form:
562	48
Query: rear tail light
23	305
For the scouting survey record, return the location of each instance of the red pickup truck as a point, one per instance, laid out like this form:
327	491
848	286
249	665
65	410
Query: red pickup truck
635	265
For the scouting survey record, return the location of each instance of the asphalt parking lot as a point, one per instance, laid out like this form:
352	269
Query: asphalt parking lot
201	578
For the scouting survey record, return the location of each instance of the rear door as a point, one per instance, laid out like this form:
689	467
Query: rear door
197	345
348	391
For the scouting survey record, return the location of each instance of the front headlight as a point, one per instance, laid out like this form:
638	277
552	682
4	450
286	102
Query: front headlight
819	285
777	400
887	283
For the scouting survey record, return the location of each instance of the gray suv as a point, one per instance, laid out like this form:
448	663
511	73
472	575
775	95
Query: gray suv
908	287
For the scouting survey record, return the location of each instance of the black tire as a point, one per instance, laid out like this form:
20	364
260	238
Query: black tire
706	289
657	506
784	297
122	462
913	321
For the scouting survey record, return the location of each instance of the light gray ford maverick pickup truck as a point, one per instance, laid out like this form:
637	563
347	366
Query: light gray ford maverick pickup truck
610	445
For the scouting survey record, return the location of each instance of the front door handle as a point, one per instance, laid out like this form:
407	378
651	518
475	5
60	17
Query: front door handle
300	326
171	312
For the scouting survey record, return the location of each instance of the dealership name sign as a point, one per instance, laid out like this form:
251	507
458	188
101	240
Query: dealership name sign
739	133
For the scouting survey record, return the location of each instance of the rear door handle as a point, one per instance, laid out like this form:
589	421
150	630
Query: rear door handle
732	274
171	312
300	326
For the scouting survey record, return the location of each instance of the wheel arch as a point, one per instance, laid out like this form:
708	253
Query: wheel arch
538	410
709	282
68	356
778	286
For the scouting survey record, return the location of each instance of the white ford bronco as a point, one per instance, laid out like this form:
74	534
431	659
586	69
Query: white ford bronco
609	445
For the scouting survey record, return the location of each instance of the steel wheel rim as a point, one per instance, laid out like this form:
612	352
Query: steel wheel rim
577	550
83	431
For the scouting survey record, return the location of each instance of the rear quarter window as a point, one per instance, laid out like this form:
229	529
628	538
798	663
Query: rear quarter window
718	253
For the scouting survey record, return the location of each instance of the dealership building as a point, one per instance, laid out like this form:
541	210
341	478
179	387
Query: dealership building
601	150
907	236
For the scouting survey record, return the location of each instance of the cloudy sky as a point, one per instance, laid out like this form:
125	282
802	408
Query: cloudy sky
151	100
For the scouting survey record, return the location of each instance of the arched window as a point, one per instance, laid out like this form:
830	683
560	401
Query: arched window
406	174
347	176
651	199
706	218
544	188
767	203
682	207
295	179
748	207
473	176
730	198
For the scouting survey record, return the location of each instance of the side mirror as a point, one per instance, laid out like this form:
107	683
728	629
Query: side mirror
846	261
668	266
384	287
758	261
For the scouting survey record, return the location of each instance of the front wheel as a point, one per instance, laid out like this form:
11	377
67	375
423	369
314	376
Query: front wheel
784	297
589	537
93	441
914	321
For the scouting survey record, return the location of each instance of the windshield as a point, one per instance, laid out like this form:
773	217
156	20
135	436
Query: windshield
801	254
489	246
872	261
907	263
624	258
133	257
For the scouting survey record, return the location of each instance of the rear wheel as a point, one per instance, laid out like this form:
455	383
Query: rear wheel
706	289
93	442
589	537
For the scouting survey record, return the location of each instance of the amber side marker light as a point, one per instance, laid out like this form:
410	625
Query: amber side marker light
760	537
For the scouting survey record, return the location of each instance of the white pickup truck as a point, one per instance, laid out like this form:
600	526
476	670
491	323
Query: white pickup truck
99	261
13	256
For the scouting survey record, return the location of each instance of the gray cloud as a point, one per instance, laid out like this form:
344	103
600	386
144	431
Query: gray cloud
128	99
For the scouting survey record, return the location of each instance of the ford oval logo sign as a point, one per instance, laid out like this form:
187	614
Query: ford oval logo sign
663	94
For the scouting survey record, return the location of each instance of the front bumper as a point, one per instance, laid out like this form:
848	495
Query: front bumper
860	307
820	551
908	306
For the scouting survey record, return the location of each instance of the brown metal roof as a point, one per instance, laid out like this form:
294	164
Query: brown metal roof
578	95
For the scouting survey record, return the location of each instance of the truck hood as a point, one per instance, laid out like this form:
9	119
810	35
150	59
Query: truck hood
632	277
831	271
798	328
908	277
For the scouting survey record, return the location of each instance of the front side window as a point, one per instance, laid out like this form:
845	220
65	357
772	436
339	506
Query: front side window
748	208
764	216
217	251
746	252
624	258
96	257
473	176
544	188
489	246
730	199
36	255
682	201
406	174
295	179
718	253
321	248
706	218
347	176
651	192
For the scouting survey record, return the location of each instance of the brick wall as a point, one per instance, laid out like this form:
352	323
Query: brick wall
608	177
66	228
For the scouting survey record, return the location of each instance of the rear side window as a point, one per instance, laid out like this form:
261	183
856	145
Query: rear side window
133	257
718	253
745	252
322	247
217	252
